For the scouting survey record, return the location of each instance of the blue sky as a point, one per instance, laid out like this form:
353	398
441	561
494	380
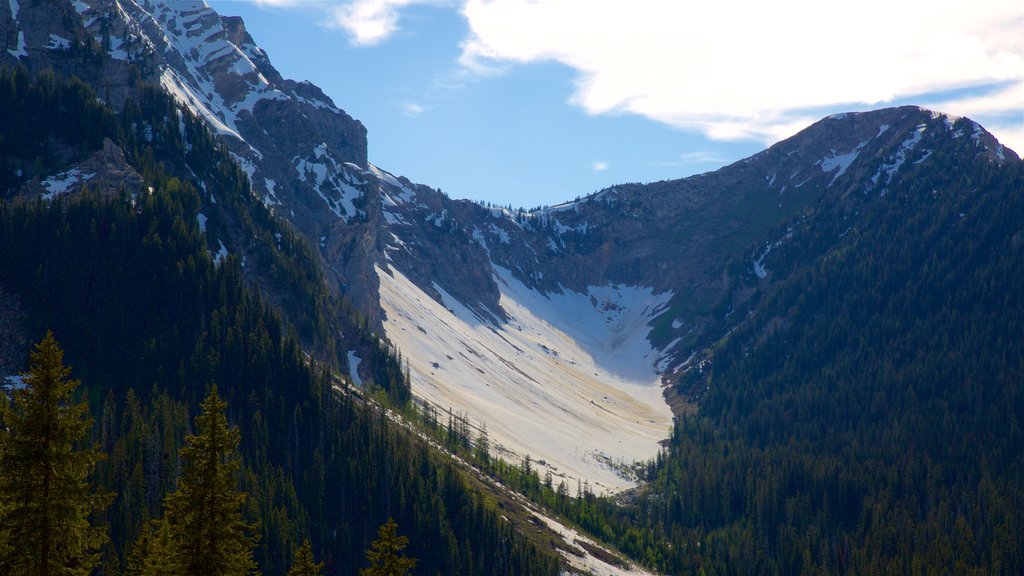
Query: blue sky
533	103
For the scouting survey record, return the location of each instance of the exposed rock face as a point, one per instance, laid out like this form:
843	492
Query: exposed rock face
105	171
307	160
502	288
704	237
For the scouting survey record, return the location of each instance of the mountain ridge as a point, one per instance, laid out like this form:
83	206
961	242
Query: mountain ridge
707	241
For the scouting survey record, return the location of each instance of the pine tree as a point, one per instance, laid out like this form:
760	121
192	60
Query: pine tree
45	495
304	564
206	533
384	556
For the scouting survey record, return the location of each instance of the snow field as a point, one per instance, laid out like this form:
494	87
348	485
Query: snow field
570	379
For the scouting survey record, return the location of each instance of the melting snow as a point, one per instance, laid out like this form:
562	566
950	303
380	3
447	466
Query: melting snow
891	167
353	368
57	43
61	183
222	253
570	379
20	51
202	221
840	161
501	234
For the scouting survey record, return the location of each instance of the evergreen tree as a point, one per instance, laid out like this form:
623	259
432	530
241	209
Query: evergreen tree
384	556
45	495
304	564
207	535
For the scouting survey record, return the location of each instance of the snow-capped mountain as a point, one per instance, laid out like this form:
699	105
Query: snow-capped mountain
556	328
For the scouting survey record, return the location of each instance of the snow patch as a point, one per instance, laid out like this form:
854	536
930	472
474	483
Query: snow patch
57	43
501	234
61	183
353	368
20	51
889	168
202	221
840	161
579	363
221	254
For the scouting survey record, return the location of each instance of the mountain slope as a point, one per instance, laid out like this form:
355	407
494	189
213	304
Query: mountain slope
866	417
667	268
150	317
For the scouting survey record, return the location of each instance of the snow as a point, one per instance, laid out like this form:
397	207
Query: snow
204	46
331	182
15	7
271	196
840	161
61	183
353	368
759	268
57	43
501	234
221	254
20	51
889	168
561	229
393	218
579	363
585	562
202	221
80	7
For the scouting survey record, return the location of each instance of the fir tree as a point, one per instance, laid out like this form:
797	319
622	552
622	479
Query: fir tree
206	533
304	564
45	495
384	556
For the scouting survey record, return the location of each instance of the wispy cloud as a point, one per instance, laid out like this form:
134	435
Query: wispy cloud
702	157
601	166
412	108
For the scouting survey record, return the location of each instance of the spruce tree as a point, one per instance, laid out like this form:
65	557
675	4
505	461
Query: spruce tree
206	533
304	564
384	553
45	462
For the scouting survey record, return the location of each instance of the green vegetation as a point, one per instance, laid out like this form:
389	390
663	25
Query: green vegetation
152	320
385	553
864	418
303	563
46	499
206	534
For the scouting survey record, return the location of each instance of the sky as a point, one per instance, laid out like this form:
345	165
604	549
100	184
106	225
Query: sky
534	102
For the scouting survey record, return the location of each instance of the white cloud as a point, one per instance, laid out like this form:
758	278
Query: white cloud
600	166
412	108
367	22
752	69
741	69
702	157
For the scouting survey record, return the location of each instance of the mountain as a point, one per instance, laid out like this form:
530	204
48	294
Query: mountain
821	332
575	314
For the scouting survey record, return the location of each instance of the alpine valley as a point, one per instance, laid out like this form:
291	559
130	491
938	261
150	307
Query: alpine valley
809	361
